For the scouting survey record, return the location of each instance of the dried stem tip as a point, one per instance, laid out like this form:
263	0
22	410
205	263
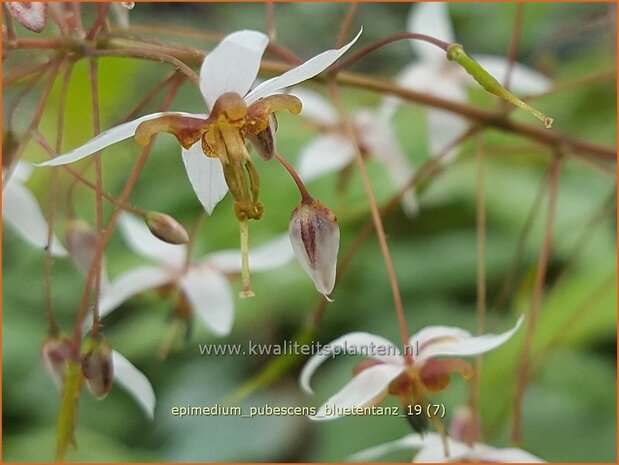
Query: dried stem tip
455	52
315	237
166	228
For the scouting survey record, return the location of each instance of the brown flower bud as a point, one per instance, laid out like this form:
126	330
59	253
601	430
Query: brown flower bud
264	141
31	15
315	237
54	354
166	228
97	366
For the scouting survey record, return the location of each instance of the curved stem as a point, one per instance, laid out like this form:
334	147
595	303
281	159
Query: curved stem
305	195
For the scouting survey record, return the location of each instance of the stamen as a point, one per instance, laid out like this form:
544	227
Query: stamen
246	291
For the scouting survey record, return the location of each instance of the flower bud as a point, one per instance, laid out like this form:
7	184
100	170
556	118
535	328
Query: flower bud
166	228
315	238
31	15
97	366
54	353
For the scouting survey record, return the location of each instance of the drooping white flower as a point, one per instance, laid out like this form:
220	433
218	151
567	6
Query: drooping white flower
430	450
388	372
21	211
332	149
432	73
203	282
231	67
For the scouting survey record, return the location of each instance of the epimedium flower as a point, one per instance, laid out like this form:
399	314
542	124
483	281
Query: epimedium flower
434	74
389	372
213	145
333	150
21	211
31	15
203	284
430	450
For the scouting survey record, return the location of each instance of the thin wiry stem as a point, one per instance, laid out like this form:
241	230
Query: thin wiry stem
522	376
481	274
345	27
305	195
94	90
507	287
378	223
514	42
269	11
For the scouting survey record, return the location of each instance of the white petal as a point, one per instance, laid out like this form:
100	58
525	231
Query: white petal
408	442
303	72
463	344
316	108
21	211
271	255
107	138
507	455
135	383
206	176
325	154
233	65
430	18
361	391
211	298
141	240
129	284
432	451
524	80
22	172
361	343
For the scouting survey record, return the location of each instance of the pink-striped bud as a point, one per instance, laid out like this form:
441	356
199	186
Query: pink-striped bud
166	228
54	354
97	366
315	237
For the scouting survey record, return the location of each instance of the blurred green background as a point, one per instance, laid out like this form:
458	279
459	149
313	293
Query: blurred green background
570	406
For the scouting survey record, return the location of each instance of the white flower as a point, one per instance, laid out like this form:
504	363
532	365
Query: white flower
434	74
333	149
203	282
21	211
231	67
374	380
430	450
135	383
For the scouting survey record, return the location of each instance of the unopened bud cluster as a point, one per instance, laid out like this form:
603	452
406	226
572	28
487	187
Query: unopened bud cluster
95	359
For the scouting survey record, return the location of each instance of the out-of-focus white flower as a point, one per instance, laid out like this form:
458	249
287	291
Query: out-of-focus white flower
231	68
432	73
332	149
430	450
21	211
204	282
389	373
